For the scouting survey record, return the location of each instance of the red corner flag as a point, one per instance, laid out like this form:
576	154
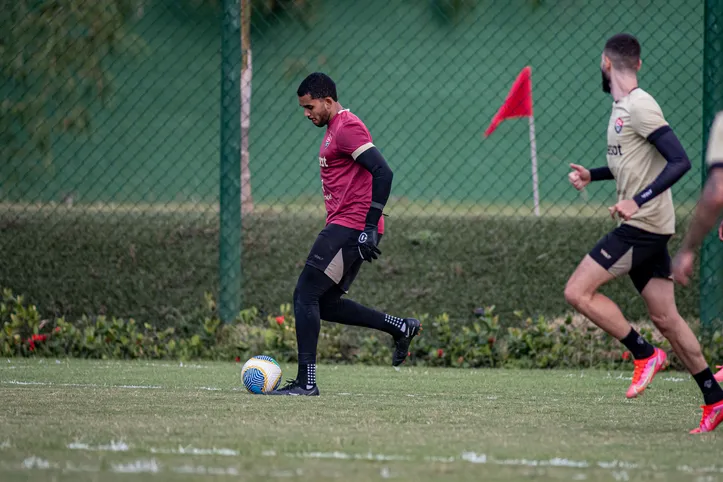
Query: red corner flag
518	102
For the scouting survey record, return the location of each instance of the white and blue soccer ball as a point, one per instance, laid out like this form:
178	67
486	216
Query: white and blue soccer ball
261	374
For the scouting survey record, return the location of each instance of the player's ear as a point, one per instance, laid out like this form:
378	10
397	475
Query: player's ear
328	102
640	63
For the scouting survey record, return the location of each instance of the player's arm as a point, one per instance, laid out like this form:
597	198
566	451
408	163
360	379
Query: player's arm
711	201
667	143
708	209
601	174
355	140
369	157
647	120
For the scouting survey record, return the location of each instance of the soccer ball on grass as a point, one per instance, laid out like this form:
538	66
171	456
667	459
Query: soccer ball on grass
261	374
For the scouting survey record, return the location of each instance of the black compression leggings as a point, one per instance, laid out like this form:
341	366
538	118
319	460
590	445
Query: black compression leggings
317	297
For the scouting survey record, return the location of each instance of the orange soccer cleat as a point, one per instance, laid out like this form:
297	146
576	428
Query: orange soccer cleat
645	370
712	416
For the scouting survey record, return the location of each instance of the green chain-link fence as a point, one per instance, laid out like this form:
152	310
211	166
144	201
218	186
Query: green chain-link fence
116	115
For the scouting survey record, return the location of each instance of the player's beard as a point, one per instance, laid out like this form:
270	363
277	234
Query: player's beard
605	82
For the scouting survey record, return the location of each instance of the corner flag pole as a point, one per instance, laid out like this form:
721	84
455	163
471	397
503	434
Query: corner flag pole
533	155
519	104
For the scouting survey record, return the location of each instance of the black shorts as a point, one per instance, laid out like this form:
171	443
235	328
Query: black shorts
640	254
336	253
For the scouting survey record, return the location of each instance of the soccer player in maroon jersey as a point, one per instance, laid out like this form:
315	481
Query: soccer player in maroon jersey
356	182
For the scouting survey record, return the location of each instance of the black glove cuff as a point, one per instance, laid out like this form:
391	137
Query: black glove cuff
373	216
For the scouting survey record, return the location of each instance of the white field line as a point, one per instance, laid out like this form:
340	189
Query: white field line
121	446
618	469
16	382
79	385
676	379
202	470
189	365
113	446
137	386
95	385
196	451
34	462
133	467
137	467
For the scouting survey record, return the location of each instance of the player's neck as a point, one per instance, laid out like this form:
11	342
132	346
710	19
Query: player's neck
622	83
335	109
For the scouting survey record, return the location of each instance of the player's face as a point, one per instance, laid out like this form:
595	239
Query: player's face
316	110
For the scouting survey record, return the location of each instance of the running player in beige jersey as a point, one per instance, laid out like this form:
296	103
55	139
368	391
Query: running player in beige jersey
707	212
709	209
645	159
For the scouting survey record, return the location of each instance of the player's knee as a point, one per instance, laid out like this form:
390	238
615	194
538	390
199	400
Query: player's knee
310	287
304	296
573	295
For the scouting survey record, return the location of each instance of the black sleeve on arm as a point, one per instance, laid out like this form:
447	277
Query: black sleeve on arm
667	143
601	174
373	161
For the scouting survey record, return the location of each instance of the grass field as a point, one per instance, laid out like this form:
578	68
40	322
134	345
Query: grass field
79	420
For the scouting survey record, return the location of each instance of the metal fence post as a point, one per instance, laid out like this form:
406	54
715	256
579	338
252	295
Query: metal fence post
230	168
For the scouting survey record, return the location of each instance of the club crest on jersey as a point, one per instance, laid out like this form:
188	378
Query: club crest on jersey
327	142
618	125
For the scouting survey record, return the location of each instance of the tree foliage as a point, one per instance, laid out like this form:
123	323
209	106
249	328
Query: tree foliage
54	59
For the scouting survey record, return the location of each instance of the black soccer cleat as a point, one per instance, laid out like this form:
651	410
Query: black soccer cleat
401	344
295	389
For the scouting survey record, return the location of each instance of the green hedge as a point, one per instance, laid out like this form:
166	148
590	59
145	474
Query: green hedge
157	269
480	342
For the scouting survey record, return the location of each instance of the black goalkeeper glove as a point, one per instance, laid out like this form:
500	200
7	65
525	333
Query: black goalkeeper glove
368	240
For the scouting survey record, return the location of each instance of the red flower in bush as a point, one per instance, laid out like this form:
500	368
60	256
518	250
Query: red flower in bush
31	341
238	359
57	329
440	353
491	340
460	360
626	355
280	320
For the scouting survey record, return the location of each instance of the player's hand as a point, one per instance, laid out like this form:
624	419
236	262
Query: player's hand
626	209
683	267
579	177
368	240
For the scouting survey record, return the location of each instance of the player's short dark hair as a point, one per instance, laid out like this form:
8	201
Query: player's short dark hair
318	86
623	50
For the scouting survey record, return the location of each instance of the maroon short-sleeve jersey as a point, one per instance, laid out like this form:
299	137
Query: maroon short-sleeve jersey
346	185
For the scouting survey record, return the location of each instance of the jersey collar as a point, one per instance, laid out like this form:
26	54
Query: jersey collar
333	119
